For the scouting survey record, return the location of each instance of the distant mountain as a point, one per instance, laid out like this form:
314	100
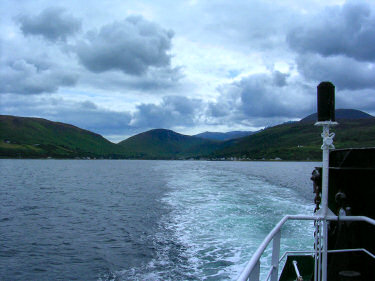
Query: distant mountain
340	114
166	144
298	141
224	136
37	137
22	137
25	137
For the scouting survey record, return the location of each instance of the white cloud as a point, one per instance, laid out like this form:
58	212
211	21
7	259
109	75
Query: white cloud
132	46
186	65
52	23
22	76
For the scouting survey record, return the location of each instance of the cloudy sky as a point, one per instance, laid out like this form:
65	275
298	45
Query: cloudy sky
120	67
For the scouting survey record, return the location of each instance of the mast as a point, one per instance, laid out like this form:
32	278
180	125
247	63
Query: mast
326	119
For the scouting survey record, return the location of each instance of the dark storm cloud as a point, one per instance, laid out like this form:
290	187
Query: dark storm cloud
132	46
345	73
89	105
52	23
172	111
347	30
24	76
259	96
279	79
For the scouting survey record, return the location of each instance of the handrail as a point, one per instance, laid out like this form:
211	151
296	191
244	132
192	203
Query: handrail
309	253
255	259
300	253
258	253
352	250
351	218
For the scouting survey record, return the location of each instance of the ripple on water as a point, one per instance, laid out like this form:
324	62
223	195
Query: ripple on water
143	220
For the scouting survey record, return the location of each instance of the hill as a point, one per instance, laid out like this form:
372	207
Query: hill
166	144
341	114
37	137
223	136
299	140
22	137
25	137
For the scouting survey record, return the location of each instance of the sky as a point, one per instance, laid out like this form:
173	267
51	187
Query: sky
118	67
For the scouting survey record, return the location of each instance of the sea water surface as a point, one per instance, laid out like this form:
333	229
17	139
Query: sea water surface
145	220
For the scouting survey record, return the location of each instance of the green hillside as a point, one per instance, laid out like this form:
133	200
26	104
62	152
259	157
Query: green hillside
298	141
36	137
166	144
22	137
224	136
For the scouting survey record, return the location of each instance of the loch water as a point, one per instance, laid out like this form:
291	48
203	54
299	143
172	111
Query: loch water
146	220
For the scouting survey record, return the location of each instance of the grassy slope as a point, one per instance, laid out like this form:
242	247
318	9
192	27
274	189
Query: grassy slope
36	137
299	141
166	144
224	136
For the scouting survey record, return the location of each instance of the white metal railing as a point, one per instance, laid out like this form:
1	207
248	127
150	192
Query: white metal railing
310	253
252	269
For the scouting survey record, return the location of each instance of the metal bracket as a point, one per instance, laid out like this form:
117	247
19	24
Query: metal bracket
323	123
327	139
326	135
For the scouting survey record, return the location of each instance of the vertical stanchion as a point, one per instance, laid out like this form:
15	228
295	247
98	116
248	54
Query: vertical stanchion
327	145
275	256
320	252
326	119
316	251
254	275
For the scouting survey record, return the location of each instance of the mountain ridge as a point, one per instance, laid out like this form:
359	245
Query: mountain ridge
29	137
164	143
38	137
341	114
224	136
299	141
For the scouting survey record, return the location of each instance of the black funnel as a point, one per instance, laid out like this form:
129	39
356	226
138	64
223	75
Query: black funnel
326	101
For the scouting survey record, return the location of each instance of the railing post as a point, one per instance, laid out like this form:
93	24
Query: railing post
325	250
320	252
254	275
316	249
327	145
275	256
